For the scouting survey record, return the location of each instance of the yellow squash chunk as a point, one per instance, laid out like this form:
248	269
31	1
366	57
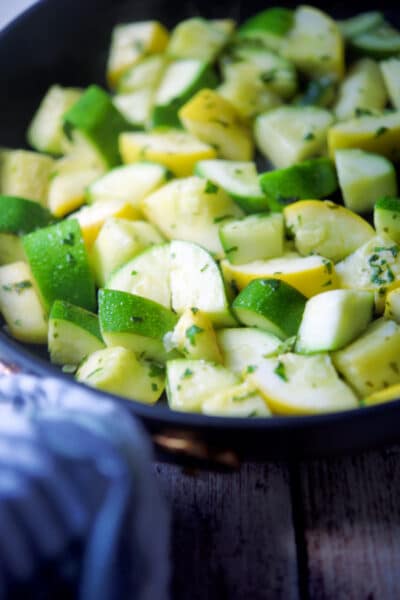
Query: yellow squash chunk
21	305
68	184
177	150
215	121
315	44
379	134
92	218
242	400
310	275
372	362
387	395
302	385
131	42
326	228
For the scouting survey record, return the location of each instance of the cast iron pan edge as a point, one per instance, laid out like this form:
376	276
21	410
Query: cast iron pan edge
64	41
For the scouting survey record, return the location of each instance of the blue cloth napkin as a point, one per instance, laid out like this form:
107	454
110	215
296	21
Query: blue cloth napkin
81	515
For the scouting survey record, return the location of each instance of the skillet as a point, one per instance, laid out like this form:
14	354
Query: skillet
66	42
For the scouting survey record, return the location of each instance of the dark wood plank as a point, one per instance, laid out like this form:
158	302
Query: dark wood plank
232	534
352	526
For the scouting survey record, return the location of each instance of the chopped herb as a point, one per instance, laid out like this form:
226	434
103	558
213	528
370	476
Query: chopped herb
327	283
280	371
238	172
222	218
232	249
244	397
395	368
138	45
186	374
94	372
309	136
331	205
154	387
380	131
328	265
204	268
133	273
234	287
18	323
69	239
251	369
136	319
394	250
22	285
156	370
194	310
360	112
221	122
268	76
210	188
286	346
191	333
253	414
70	258
18	287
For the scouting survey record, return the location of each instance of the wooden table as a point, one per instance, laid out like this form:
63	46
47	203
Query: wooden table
322	529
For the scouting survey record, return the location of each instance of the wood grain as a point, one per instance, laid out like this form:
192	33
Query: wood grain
351	518
232	534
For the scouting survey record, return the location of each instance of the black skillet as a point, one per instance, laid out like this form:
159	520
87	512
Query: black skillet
66	41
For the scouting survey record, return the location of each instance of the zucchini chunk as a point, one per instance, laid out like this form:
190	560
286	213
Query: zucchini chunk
244	348
254	237
372	361
93	125
130	43
291	134
135	323
192	382
216	121
146	275
65	274
333	319
271	305
387	218
118	371
364	177
21	304
196	281
119	240
74	333
45	132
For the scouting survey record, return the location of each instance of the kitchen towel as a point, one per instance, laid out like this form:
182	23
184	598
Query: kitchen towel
81	515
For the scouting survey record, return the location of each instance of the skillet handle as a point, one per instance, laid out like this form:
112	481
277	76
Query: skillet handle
174	446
